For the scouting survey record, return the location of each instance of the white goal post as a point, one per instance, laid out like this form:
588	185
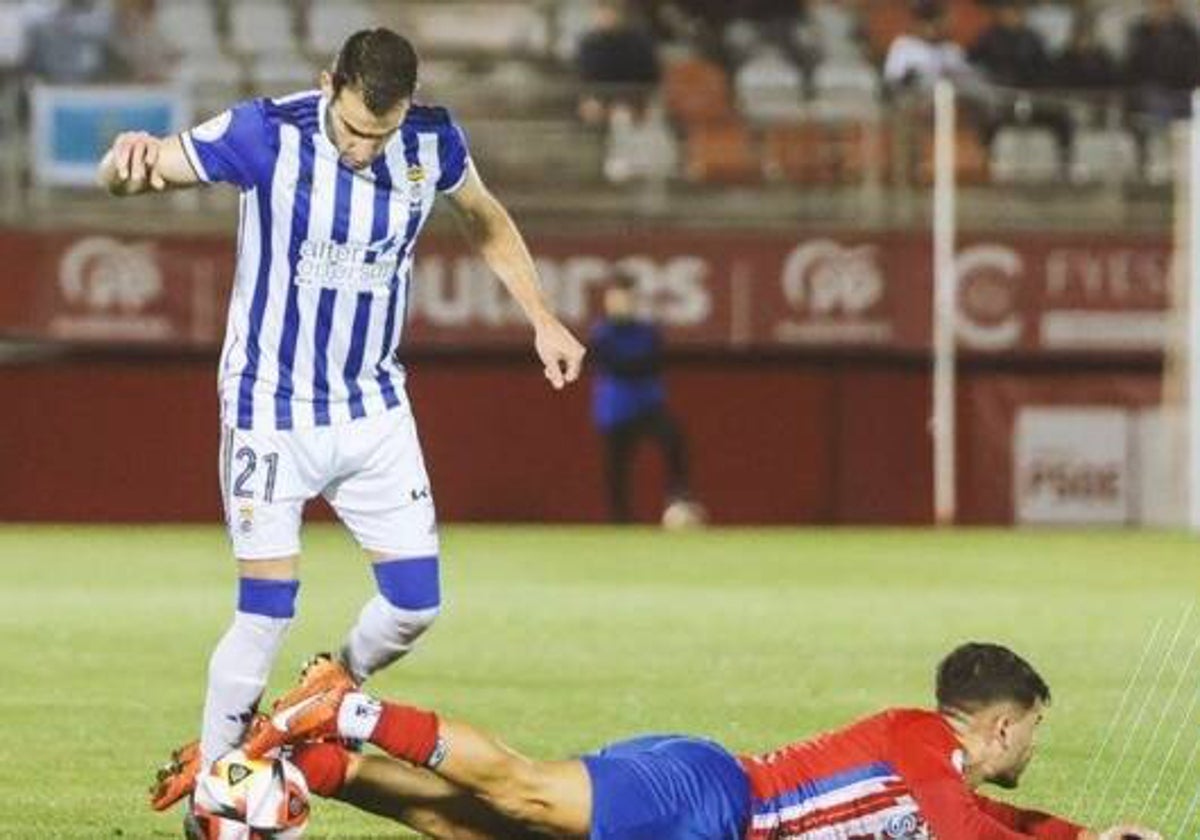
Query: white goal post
945	307
1187	313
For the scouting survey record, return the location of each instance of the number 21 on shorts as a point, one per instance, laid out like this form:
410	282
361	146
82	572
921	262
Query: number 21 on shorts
254	474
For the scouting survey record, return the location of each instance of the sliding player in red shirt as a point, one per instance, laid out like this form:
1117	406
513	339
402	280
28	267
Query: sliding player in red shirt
902	774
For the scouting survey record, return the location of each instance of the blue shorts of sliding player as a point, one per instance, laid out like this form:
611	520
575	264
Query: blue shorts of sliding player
667	787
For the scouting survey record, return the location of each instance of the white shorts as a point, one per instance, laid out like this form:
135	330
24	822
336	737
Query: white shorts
370	470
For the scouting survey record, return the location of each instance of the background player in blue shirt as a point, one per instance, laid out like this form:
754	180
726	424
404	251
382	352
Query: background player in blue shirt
336	185
629	401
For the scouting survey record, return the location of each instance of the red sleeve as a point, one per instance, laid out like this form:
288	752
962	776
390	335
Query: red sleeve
923	751
1033	823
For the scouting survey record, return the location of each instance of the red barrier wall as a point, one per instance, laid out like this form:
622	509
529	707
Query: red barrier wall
772	441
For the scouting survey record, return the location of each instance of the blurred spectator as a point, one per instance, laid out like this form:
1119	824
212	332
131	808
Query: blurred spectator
617	64
629	401
1012	56
142	50
925	54
1163	61
696	24
17	21
773	23
1084	64
73	44
1010	52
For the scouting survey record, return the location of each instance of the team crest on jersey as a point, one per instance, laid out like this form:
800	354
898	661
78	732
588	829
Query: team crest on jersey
212	130
416	174
906	827
246	519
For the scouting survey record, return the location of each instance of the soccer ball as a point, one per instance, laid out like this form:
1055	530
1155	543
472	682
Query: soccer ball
682	515
244	799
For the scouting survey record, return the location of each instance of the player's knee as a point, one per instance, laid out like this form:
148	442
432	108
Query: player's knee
269	599
412	588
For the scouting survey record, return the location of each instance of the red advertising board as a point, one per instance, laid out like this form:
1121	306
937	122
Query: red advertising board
1041	293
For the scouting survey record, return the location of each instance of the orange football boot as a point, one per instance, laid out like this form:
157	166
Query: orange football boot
314	718
307	712
177	778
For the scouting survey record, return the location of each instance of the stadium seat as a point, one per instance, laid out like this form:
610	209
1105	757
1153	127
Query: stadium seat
329	24
1024	155
968	19
1104	155
846	89
864	151
1053	22
12	35
883	22
501	27
798	153
1112	27
769	88
524	151
277	75
722	153
825	153
697	91
1160	159
642	149
447	80
836	30
263	27
192	28
572	20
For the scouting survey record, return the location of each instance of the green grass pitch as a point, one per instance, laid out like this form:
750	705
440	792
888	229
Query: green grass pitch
563	638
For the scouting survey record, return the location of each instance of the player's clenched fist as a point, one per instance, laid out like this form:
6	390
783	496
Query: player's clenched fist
132	163
560	352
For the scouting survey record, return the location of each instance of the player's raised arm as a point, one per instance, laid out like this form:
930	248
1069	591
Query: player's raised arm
139	163
492	231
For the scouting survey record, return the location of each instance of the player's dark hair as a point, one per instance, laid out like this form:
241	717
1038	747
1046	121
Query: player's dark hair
625	280
379	64
976	675
926	11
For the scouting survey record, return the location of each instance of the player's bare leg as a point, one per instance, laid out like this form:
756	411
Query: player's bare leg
417	797
550	797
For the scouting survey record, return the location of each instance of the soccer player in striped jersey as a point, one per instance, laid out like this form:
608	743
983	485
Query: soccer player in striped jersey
902	774
336	185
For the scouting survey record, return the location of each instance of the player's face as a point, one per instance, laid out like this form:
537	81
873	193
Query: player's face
359	134
618	303
1015	745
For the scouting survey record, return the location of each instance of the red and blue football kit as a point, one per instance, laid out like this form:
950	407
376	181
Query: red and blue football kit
897	774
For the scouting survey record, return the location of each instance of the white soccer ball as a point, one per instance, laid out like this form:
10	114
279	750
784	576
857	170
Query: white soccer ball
682	515
244	799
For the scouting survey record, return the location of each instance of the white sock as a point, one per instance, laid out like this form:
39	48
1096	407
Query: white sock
383	634
237	675
358	716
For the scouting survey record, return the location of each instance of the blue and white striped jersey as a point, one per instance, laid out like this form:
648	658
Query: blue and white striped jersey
324	257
